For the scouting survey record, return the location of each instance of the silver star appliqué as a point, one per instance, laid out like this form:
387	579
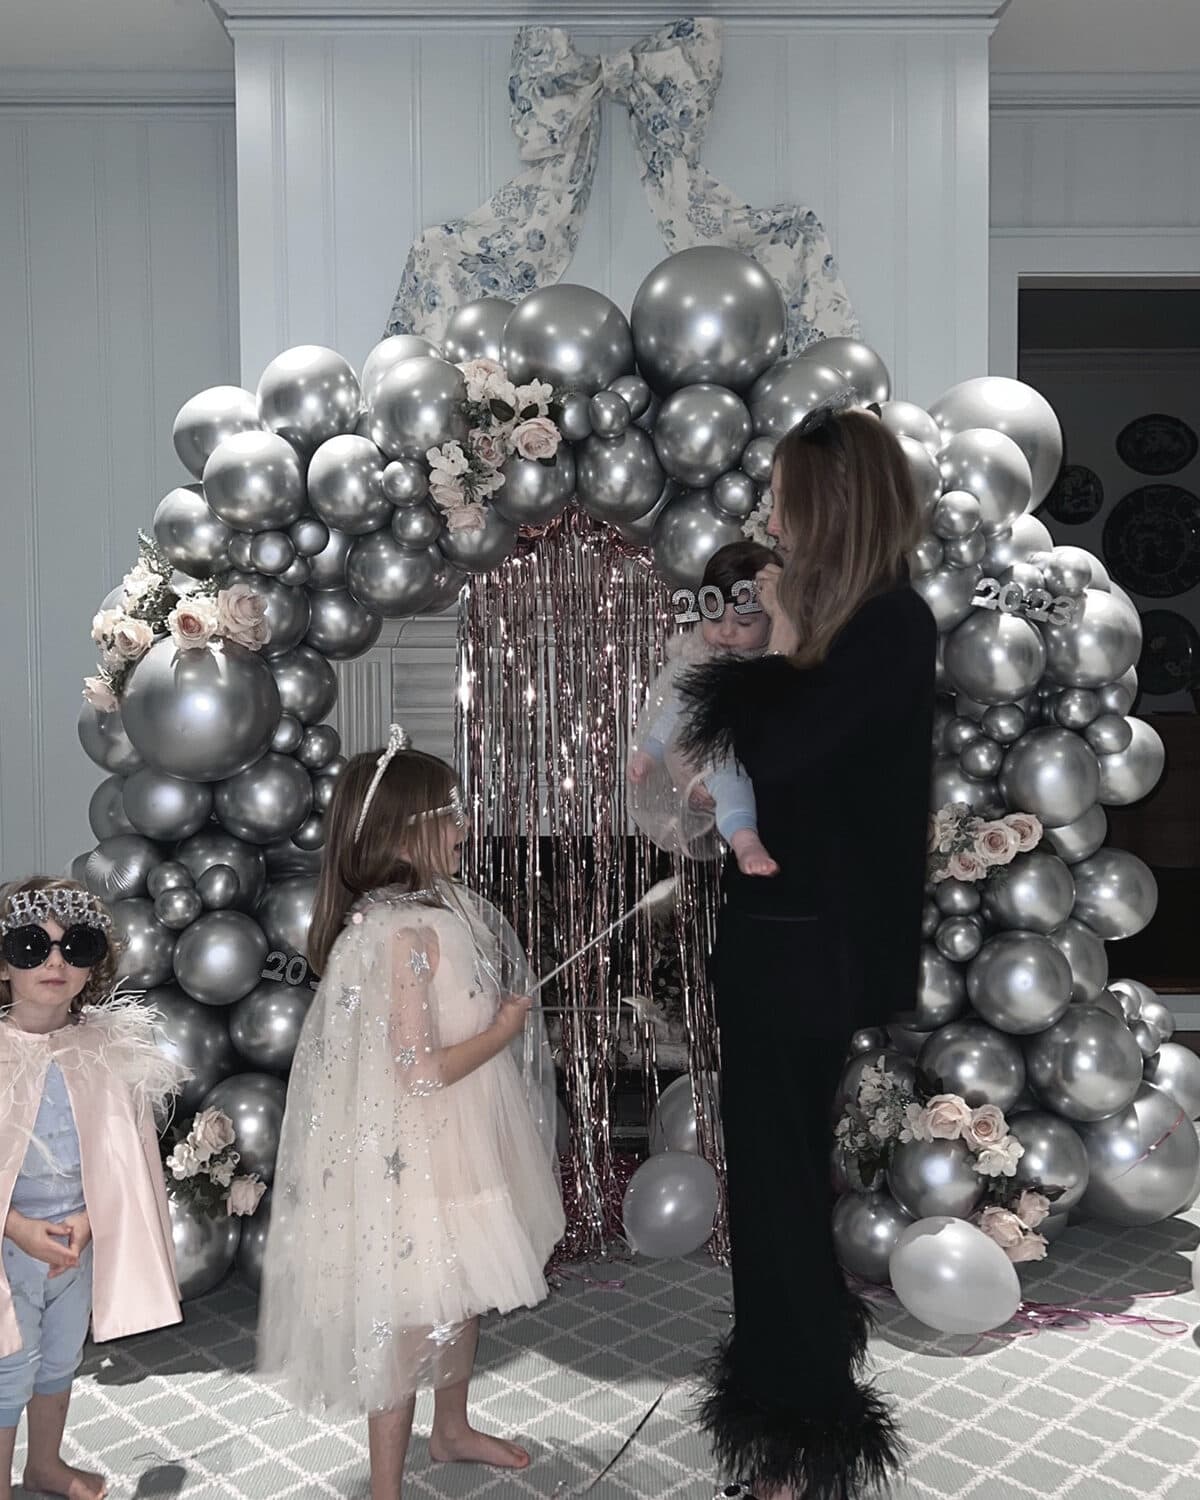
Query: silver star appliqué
350	998
419	962
381	1331
395	1164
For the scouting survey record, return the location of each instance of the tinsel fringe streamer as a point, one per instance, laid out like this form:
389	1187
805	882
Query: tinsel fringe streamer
556	652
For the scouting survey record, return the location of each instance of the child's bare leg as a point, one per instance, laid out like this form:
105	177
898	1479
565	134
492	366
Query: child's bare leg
8	1446
752	857
388	1434
453	1439
45	1470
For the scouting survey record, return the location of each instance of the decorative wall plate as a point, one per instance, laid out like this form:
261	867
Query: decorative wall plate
1170	661
1152	541
1157	444
1076	497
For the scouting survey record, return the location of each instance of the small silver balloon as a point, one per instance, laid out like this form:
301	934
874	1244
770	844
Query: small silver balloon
272	553
329	565
866	1229
323	788
959	938
1147	1038
573	337
701	431
1108	735
609	414
177	909
965	551
1175	1070
1006	549
935	1177
339	628
534	493
241	545
1087	957
392	351
858	363
1053	774
688	532
957	898
345	485
215	847
1086	1066
1115	893
309	535
759	459
1160	1016
1076	708
948	592
265	1024
872	1039
735	495
982	759
982	1065
956	514
105	741
1055	1156
1143	1162
196	1036
254	1102
220	957
575	420
1131	772
218	887
418	405
252	1247
635	393
670	1205
416	526
319	746
311	833
387	579
253	482
941	993
288	735
1098	646
207	419
784	396
481	550
193	537
204	1245
405	481
958	734
286	913
120	867
951	785
1035	893
1020	982
619	479
147	946
1120	696
927	482
1004	723
926	557
990	466
1080	839
106	809
1133	995
1012	408
476	330
169	876
309	394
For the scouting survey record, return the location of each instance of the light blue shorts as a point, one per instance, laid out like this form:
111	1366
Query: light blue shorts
53	1317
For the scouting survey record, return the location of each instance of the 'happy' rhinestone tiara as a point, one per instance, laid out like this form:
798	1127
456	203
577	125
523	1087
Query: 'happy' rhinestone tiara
67	908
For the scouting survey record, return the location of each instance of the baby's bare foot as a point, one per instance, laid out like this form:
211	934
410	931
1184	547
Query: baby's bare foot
752	857
61	1479
471	1447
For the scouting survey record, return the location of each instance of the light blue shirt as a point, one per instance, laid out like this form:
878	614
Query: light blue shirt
50	1184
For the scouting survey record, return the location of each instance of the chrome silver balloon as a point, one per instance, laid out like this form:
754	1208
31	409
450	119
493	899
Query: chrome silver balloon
1055	1156
1026	536
220	957
388	579
1020	982
858	363
120	867
405	481
147	946
218	887
164	807
952	1277
619	479
345	485
1051	773
958	734
670	1205
575	420
688	532
1144	1162
784	396
307	395
272	553
1120	696
1076	708
759	459
956	514
948	592
1093	571
1080	839
253	481
1175	1070
965	551
534	493
476	330
417	527
319	746
1160	1016
957	898
926	557
215	847
673	1125
1035	893
329	565
609	414
1098	647
906	419
1087	957
708	314
701	431
287	610
990	466
476	551
735	495
1086	1066
311	833
417	405
264	1025
240	551
197	1036
1004	723
288	736
871	1039
973	1060
392	351
941	992
204	422
1132	772
306	683
1109	735
573	337
286	913
1115	893
935	1177
204	1245
1064	576
297	573
106	809
994	657
951	785
338	628
448	583
959	938
169	876
193	537
1147	1038
1012	408
254	1102
927	480
866	1229
323	788
252	1247
635	393
105	741
266	802
1133	995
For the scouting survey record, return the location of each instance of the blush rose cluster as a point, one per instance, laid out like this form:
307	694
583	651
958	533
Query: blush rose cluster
203	1165
965	847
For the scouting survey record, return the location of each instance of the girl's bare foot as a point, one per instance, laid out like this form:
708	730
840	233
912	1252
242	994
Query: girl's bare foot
471	1447
61	1479
752	857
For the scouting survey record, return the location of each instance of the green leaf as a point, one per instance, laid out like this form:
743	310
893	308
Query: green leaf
502	411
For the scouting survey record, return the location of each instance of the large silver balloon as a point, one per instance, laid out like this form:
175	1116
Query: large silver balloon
394	351
193	537
201	715
307	684
106	809
254	482
286	913
670	1205
252	1247
164	807
950	1276
329	564
307	395
1075	841
1035	893
198	1037
573	337
784	396
1054	1156
1096	648
948	592
991	467
707	314
265	1024
120	867
1087	957
1020	982
1051	773
982	1065
254	1102
1010	407
866	1229
534	493
1115	893
106	742
477	551
688	532
995	657
476	330
339	627
1144	1161
673	1124
1005	550
1176	1070
935	1177
147	946
858	362
267	801
701	431
345	485
619	479
1130	774
211	416
418	405
214	847
220	957
205	1245
1086	1066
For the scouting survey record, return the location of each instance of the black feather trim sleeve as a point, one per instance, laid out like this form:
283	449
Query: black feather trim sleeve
722	699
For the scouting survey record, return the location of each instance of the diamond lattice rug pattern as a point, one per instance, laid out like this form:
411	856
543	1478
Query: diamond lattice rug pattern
1103	1412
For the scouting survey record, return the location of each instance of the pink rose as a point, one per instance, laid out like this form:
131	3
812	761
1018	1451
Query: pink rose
242	617
98	692
997	844
946	1117
537	438
193	623
489	447
131	638
211	1132
446	492
986	1127
1032	1208
1027	828
966	865
1003	1227
465	518
1032	1247
244	1195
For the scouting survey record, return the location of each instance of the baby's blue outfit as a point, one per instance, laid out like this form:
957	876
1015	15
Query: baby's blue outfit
728	785
52	1314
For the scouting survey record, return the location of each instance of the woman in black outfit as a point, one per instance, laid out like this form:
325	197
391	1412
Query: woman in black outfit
834	730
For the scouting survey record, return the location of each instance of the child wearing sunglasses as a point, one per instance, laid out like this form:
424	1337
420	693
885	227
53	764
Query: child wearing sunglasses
86	1234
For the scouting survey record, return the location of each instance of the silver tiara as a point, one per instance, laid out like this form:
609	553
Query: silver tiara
455	808
398	740
67	908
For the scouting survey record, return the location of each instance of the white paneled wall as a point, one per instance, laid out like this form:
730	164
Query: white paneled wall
118	300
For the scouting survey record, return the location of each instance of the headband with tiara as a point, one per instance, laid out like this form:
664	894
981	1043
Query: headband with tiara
398	739
67	908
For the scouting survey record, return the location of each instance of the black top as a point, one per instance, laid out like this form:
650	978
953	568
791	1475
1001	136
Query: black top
839	755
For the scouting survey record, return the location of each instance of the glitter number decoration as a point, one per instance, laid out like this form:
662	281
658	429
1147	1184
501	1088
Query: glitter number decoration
1032	604
709	603
289	968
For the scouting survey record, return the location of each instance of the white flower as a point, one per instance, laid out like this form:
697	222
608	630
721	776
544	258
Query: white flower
211	1132
104	622
536	394
183	1162
448	460
193	623
221	1171
98	692
244	1195
914	1127
140	581
477	373
1001	1159
498	387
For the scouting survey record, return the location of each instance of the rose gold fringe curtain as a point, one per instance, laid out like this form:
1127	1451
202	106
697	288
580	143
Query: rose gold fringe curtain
556	651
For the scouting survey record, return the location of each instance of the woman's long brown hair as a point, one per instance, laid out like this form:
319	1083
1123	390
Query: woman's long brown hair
845	498
397	847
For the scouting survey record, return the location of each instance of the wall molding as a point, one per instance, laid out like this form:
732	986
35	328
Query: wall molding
120	89
1020	92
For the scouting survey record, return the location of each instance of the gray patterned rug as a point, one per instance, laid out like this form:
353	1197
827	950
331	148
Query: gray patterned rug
1102	1412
